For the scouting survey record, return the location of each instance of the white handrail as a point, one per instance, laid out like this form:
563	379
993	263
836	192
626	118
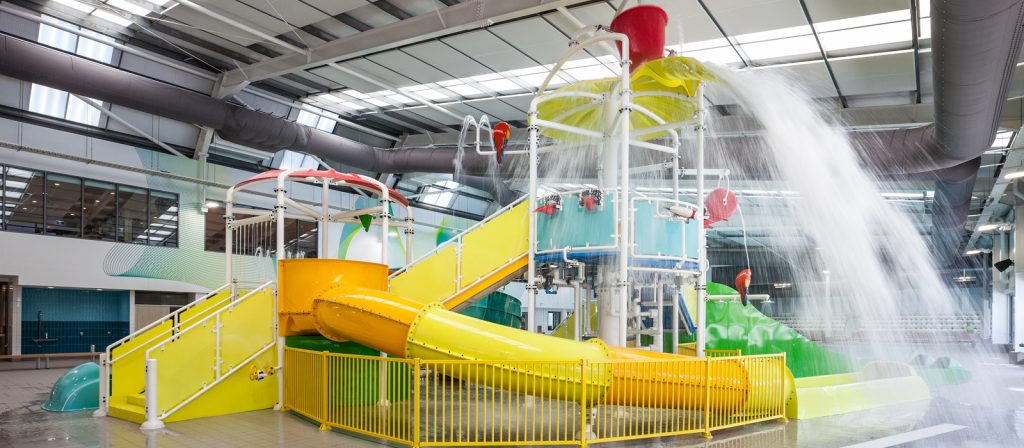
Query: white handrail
152	415
456	238
161	320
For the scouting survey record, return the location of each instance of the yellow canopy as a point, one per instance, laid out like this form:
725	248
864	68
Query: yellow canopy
678	75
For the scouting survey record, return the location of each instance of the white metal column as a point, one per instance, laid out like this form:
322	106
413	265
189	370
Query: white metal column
702	252
1017	306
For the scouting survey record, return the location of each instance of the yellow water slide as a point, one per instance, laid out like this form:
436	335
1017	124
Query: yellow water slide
347	300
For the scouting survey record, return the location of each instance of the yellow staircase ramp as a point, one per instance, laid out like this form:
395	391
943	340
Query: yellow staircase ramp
217	360
472	264
127	358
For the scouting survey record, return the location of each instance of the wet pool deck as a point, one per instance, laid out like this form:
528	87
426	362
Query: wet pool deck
959	416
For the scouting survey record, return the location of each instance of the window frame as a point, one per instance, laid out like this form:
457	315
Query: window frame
81	215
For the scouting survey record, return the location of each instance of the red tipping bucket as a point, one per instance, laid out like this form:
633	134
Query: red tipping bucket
645	26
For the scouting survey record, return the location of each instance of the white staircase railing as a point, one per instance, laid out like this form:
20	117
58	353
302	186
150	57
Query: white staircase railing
107	361
154	415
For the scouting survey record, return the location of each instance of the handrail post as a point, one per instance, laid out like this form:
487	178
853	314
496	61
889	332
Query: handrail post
323	392
152	421
707	398
416	403
584	427
782	391
104	388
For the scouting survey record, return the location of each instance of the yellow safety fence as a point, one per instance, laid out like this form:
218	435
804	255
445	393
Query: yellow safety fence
516	403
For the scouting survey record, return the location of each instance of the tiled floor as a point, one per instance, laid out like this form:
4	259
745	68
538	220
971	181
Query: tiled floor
988	412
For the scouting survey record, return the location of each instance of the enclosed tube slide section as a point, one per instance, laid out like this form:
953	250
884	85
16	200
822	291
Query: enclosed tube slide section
356	308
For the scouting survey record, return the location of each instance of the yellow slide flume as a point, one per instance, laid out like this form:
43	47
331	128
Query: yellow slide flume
352	305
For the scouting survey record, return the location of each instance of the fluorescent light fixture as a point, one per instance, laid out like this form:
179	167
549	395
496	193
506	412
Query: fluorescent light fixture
1014	173
972	252
964	278
130	7
111	17
782	285
997	227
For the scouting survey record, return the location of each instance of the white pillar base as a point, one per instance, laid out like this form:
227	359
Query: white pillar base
150	425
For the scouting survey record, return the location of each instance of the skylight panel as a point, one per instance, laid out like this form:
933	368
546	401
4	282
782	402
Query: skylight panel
327	97
401	99
428	93
353	106
129	7
536	79
57	38
862	21
486	77
307	118
591	72
326	124
81	112
778	48
47	101
776	34
377	102
76	5
95	50
721	55
464	90
111	17
1003	139
703	44
527	71
501	85
885	33
356	94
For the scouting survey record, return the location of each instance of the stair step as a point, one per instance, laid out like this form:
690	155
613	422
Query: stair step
137	400
127	411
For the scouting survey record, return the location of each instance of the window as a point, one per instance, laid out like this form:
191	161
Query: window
63	205
132	217
99	210
163	219
315	119
24	191
57	103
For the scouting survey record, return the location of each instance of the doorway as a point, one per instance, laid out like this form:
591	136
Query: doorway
5	318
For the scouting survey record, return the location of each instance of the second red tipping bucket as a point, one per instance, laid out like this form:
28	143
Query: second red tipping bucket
645	26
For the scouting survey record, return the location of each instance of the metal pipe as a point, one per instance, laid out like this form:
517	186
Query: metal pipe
702	278
625	211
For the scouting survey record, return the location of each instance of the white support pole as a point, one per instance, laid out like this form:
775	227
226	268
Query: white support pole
675	319
659	318
702	254
577	307
279	209
625	210
531	264
104	387
229	247
325	220
152	421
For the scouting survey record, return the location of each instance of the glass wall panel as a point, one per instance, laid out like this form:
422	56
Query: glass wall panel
100	210
24	191
307	241
132	217
63	205
215	230
163	222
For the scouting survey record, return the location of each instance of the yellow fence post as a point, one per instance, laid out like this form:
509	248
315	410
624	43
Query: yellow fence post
583	404
323	394
782	386
416	403
707	398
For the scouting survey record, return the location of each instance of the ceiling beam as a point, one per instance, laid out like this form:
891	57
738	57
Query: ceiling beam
824	54
449	20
